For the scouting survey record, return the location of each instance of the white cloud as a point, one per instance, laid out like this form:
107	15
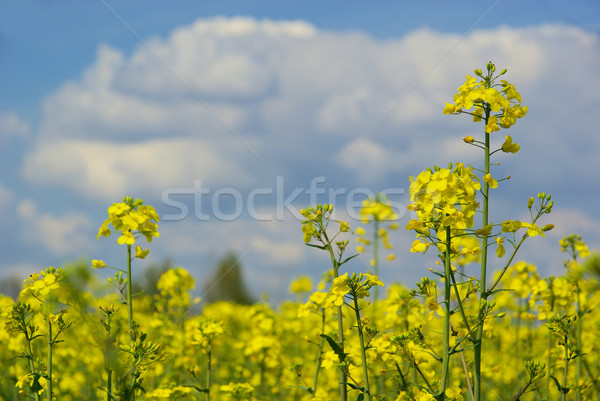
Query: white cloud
300	98
198	103
107	171
68	234
11	125
568	221
6	197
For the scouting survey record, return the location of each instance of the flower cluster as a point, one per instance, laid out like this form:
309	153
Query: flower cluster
499	108
207	331
377	210
442	198
317	219
40	284
174	287
574	245
131	218
356	285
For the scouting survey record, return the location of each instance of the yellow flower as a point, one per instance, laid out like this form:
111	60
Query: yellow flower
509	146
301	285
40	285
130	218
532	229
504	105
98	264
419	246
344	226
485	230
451	109
453	394
492	182
433	306
510	226
141	253
500	249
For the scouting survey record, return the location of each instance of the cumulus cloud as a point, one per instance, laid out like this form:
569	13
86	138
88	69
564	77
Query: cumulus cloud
108	171
238	101
6	197
232	99
67	234
11	125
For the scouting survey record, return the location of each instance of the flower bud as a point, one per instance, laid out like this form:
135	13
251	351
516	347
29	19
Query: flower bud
548	227
503	72
468	139
530	203
478	72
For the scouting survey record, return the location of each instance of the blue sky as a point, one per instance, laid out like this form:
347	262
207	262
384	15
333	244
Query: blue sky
260	99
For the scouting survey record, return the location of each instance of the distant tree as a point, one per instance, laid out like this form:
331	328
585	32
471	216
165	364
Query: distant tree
227	282
11	285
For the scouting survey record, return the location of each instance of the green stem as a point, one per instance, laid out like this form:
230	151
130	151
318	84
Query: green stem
336	266
49	361
483	275
263	367
549	365
129	293
459	300
566	372
108	384
518	329
579	345
420	372
319	355
468	327
447	294
30	356
208	372
375	259
130	311
363	353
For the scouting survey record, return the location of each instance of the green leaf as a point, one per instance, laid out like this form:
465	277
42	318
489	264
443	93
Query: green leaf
305	388
347	259
490	293
355	387
562	389
323	247
484	231
335	347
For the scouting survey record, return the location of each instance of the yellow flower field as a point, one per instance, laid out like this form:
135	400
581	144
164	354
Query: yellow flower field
505	333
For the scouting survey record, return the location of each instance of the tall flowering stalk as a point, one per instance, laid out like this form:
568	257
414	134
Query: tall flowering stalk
575	247
446	200
498	105
355	287
445	204
379	211
40	294
314	228
132	220
207	331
